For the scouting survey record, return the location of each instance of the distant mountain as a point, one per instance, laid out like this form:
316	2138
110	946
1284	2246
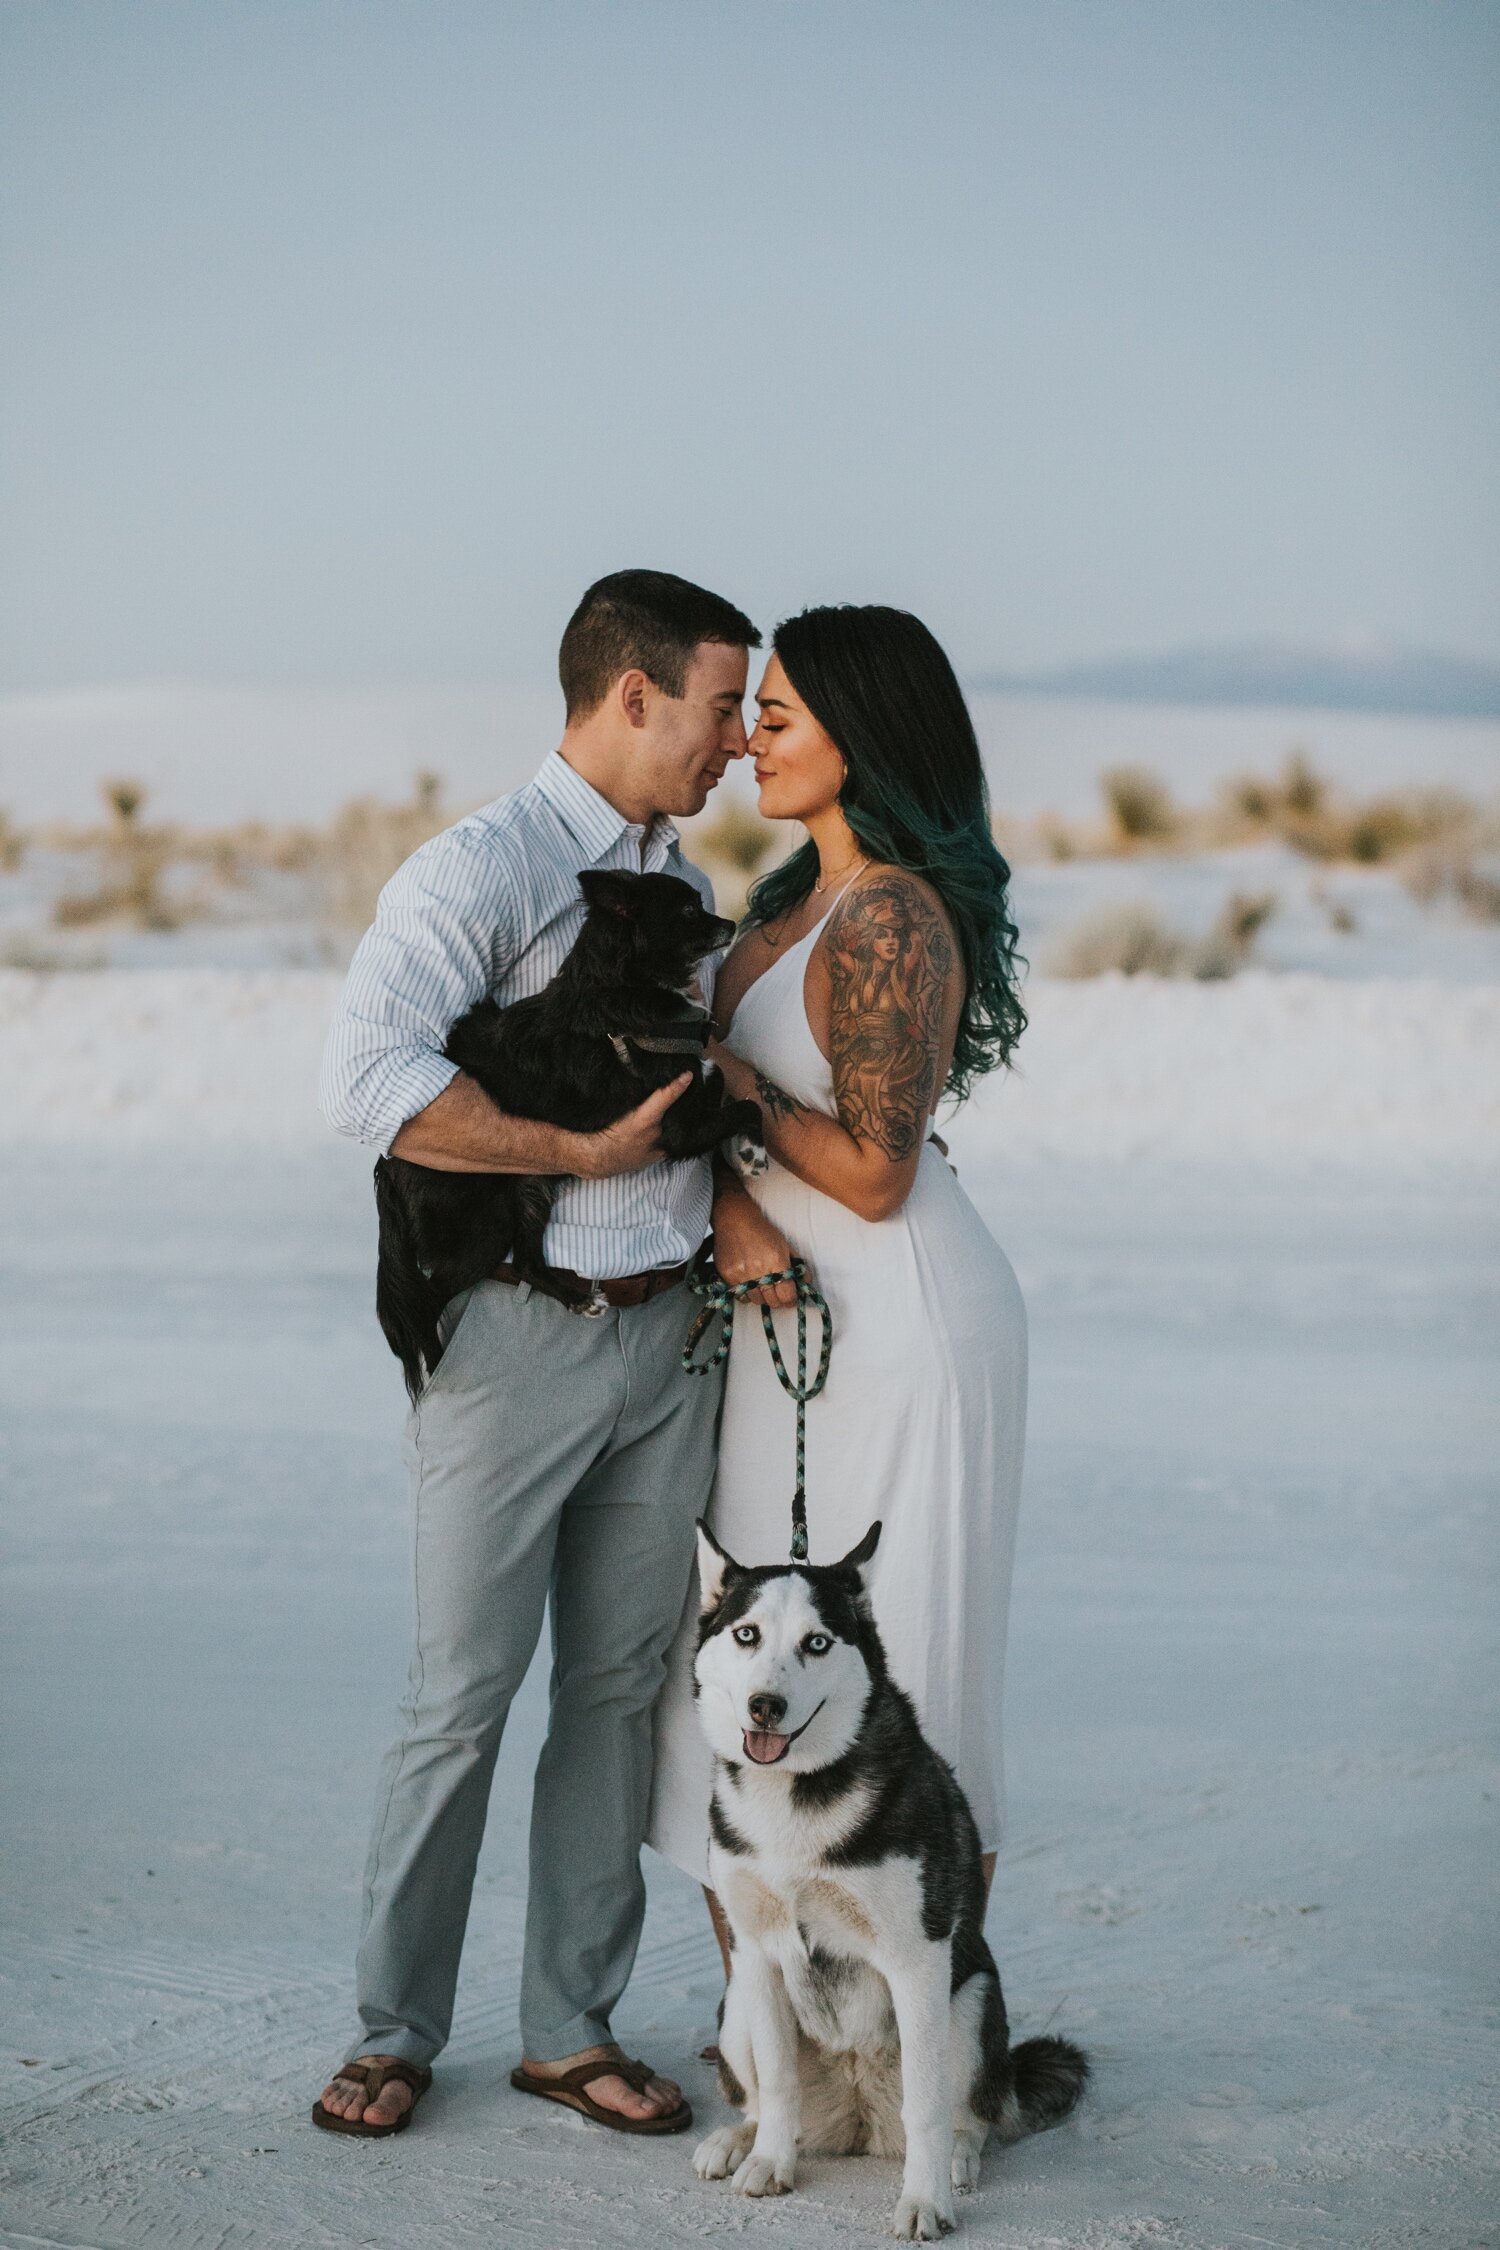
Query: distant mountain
1429	682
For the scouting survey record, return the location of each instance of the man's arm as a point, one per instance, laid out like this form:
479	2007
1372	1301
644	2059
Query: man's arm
441	936
463	1131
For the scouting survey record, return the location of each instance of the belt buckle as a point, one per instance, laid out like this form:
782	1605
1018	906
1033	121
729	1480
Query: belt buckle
598	1303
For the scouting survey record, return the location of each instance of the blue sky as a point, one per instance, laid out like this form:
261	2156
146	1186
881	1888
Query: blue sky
344	341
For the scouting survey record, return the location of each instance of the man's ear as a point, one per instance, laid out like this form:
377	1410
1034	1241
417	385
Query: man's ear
857	1557
715	1568
634	692
612	888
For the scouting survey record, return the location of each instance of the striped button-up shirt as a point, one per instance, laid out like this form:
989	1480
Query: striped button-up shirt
493	906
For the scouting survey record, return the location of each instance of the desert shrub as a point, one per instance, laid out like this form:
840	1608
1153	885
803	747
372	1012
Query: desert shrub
1293	805
1304	815
1382	829
1445	870
134	863
146	872
1251	799
1304	792
12	844
1305	812
1231	941
20	951
732	845
1478	894
1131	938
1391	825
1139	805
738	836
367	843
1297	806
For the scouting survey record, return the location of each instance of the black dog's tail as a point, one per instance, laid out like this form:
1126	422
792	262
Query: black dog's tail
407	1304
1048	2075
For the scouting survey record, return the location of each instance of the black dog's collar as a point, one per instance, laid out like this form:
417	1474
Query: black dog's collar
658	1043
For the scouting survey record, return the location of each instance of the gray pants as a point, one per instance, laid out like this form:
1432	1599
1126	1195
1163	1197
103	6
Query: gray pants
550	1454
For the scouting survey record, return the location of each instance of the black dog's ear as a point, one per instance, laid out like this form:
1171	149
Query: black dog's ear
715	1569
858	1556
613	888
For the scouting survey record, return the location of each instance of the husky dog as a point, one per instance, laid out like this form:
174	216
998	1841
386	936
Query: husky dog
864	2011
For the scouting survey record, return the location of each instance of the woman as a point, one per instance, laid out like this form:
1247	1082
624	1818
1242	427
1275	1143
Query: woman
874	973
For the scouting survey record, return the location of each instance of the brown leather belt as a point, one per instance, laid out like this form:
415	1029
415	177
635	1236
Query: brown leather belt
628	1289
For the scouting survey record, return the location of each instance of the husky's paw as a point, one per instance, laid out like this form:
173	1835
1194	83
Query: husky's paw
765	2175
922	2218
723	2152
967	2150
748	1156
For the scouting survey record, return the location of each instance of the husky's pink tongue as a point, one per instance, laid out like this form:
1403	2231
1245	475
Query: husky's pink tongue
765	1749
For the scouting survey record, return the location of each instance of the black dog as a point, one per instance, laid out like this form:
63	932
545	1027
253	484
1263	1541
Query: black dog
613	1024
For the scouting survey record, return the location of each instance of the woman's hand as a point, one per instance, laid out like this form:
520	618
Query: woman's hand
746	1244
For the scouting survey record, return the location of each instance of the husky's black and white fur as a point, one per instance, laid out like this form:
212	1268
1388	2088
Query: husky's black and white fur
864	2013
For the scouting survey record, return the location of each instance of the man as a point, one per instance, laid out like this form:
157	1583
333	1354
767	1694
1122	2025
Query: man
552	1455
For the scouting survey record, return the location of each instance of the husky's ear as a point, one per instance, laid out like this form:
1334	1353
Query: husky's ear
613	888
715	1568
857	1557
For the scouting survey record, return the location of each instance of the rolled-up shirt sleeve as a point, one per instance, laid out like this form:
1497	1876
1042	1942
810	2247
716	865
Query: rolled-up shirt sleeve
444	934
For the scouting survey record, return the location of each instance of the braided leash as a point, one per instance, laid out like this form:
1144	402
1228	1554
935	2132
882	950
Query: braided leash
720	1299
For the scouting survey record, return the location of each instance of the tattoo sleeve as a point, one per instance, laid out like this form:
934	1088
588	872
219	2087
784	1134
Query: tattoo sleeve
889	960
776	1098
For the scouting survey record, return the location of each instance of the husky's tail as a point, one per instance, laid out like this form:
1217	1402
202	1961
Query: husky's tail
1048	2075
406	1303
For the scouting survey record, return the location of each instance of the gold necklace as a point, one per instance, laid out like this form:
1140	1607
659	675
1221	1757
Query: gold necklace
819	888
858	861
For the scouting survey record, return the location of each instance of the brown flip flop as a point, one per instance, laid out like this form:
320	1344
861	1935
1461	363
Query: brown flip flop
568	2088
376	2072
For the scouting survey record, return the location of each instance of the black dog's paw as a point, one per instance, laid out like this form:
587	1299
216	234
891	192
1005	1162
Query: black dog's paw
747	1153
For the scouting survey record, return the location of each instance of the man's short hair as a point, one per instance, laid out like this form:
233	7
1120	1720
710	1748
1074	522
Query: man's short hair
642	621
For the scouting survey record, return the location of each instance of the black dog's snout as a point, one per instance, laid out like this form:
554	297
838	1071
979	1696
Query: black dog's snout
768	1711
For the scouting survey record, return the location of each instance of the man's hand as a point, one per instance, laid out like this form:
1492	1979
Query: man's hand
746	1244
631	1143
462	1131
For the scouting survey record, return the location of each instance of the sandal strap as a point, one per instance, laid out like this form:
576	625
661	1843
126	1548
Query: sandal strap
583	2075
376	2073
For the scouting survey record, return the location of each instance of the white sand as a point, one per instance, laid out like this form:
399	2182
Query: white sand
1287	1070
1250	1721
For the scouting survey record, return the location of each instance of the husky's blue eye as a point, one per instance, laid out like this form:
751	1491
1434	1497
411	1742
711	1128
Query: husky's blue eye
818	1644
746	1635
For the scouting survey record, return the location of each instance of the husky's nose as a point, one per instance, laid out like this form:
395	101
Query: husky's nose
768	1711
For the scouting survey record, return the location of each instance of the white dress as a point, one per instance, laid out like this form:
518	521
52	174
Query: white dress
922	1424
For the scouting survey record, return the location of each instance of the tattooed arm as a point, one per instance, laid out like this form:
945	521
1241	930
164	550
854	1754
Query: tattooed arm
894	983
890	961
776	1099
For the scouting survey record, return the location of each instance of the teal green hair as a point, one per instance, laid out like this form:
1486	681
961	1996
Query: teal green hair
881	688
